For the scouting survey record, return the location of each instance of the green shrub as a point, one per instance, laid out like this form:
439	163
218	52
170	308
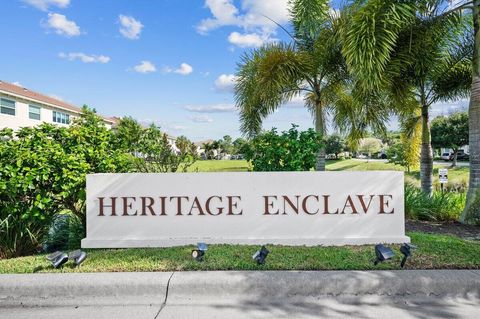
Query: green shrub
42	172
440	207
289	151
65	233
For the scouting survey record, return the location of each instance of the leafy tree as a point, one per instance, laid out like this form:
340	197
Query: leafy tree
128	134
369	145
334	144
226	145
158	156
312	66
239	146
289	151
414	51
450	132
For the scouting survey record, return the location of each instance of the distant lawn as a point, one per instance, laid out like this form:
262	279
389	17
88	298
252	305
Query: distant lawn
435	252
220	166
456	176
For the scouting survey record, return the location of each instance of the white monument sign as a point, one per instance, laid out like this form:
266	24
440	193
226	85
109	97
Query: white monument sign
291	208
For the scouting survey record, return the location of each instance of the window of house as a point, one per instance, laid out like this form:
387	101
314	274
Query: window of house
7	106
60	117
34	112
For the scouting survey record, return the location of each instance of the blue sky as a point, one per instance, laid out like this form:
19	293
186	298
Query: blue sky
165	61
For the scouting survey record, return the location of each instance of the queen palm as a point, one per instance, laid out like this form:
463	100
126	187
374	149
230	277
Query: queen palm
311	66
415	50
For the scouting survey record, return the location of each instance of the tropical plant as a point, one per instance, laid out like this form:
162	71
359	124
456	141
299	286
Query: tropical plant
418	51
450	132
311	66
288	151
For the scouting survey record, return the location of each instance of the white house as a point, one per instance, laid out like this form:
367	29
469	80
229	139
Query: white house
21	107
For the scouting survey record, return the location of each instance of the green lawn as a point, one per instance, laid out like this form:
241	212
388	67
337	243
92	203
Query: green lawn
457	176
435	251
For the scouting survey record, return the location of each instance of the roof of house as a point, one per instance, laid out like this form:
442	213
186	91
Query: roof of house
17	90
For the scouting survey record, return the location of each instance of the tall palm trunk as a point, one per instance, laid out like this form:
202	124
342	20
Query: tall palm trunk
426	154
471	214
320	129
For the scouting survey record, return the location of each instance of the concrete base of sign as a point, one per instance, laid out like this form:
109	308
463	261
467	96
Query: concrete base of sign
138	243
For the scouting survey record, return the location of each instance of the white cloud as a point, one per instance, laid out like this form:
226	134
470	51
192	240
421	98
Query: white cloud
225	83
201	119
130	28
62	25
215	108
183	69
45	4
145	67
252	18
248	40
85	58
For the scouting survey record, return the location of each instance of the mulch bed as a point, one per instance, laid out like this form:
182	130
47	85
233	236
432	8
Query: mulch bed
450	228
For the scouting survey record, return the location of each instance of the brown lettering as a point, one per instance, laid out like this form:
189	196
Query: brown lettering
146	206
269	205
102	206
349	203
287	200
384	204
179	203
325	206
232	204
304	204
207	206
196	205
127	205
362	202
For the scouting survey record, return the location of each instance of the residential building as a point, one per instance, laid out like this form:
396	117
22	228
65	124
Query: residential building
22	107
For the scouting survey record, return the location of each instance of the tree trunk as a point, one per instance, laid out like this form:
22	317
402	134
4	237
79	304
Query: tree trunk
320	129
471	214
455	156
426	154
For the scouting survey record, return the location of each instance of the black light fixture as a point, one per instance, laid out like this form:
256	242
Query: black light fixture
198	253
260	255
383	253
58	258
406	250
78	256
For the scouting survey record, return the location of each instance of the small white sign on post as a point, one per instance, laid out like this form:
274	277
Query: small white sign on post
443	175
290	208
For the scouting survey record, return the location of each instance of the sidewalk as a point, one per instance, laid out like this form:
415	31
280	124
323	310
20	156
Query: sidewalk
273	294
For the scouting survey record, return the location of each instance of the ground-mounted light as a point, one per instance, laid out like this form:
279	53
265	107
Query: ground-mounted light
383	253
77	256
57	259
406	250
260	255
198	253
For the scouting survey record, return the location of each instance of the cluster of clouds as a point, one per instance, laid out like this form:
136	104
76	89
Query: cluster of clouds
253	17
130	28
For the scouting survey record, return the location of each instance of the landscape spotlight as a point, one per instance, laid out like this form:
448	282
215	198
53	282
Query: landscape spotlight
383	253
57	259
198	253
260	255
77	256
406	250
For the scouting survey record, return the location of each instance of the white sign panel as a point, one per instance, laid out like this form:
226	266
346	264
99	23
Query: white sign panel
443	175
291	208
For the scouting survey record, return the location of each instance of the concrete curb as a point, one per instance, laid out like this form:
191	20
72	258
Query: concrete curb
227	286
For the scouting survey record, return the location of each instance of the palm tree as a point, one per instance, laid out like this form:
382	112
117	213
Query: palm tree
311	66
415	50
